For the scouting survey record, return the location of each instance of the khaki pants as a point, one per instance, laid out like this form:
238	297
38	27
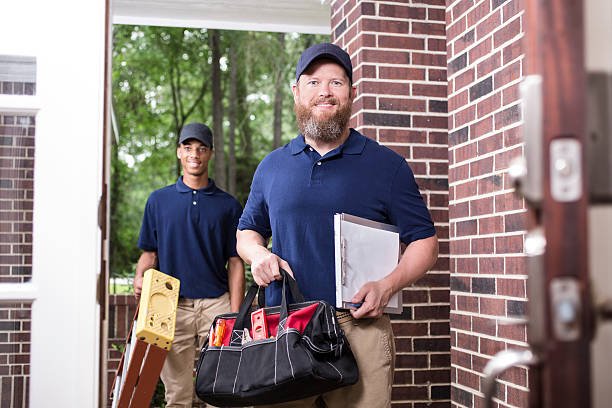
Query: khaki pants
193	320
372	343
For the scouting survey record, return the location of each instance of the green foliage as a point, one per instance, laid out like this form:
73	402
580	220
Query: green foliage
161	79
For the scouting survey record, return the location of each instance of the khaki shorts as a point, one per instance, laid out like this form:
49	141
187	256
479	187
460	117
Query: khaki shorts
193	320
374	349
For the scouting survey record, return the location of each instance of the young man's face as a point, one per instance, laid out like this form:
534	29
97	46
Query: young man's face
194	157
323	100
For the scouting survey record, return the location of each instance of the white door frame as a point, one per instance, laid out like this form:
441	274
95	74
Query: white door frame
67	38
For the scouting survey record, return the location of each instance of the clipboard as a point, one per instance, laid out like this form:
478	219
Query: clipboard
365	250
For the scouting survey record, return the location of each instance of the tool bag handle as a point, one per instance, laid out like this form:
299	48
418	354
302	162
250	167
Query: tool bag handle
245	308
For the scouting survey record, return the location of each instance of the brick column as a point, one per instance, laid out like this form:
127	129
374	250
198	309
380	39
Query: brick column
487	221
398	50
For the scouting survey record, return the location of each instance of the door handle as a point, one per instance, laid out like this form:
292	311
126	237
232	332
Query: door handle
501	362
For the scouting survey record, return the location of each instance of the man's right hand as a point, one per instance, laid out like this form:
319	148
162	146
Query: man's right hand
266	266
137	285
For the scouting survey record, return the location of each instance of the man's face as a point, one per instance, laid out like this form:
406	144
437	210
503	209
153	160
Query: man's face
194	157
323	100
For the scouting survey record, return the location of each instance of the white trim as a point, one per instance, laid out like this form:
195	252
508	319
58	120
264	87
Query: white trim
69	106
18	292
304	16
26	104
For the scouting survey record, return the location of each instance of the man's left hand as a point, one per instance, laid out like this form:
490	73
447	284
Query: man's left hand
374	297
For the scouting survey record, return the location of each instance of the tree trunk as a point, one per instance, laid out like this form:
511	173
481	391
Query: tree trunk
233	106
278	92
217	113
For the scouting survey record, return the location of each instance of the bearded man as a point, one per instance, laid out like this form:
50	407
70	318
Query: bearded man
330	168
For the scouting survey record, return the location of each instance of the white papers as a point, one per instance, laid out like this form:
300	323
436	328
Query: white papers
365	251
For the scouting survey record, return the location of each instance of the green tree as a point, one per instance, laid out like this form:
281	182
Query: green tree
237	82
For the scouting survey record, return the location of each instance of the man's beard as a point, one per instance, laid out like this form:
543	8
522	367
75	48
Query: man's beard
327	129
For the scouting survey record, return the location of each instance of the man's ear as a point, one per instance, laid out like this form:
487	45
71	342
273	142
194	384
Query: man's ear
353	92
178	152
294	89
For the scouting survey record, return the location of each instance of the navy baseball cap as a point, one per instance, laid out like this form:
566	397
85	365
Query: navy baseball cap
198	131
324	50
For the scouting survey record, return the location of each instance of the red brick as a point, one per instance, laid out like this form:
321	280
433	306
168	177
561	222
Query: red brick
436	44
459	173
481	49
459	210
400	11
428	28
436	122
384	56
435	14
508	202
461	358
512	8
467	304
468	379
488	25
514	331
491	225
513	136
488	65
404	43
490	306
505	157
464	116
429	59
517	397
465	152
455	29
481	206
429	90
464	79
383	26
466	189
515	375
489	104
402	104
508	74
402	136
490	143
388	88
481	167
460	246
457	101
507	32
510	244
402	73
483	245
490	184
436	75
490	265
486	326
478	13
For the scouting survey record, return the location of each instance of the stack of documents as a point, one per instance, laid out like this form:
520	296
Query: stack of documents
365	251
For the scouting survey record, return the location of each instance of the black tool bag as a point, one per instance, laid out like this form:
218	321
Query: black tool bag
305	354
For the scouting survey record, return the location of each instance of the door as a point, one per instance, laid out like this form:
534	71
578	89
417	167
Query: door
64	42
567	94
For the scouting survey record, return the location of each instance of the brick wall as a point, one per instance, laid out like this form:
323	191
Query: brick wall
16	204
487	221
398	51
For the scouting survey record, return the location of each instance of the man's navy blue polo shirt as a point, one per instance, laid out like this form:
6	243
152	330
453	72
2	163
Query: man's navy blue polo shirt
296	192
194	235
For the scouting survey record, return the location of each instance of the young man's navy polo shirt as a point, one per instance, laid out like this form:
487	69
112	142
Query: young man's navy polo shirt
296	192
194	234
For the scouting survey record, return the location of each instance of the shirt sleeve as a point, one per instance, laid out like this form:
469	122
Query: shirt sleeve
407	209
147	240
255	216
232	224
